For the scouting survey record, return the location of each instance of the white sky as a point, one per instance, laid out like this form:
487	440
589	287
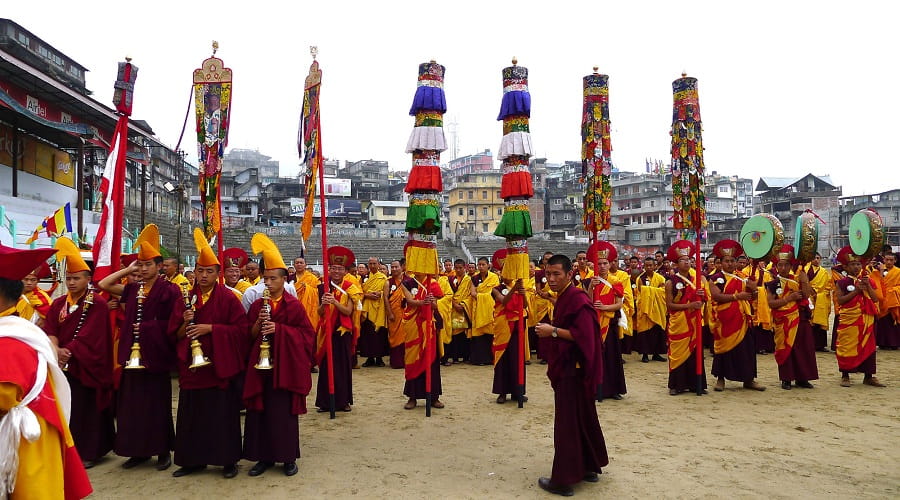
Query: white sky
786	87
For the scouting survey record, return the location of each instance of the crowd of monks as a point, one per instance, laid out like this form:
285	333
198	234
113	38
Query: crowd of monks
248	337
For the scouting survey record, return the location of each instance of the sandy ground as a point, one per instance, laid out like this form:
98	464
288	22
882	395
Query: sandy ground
829	442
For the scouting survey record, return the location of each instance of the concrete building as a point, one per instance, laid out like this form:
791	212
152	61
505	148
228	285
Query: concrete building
642	205
390	215
369	179
237	160
728	196
475	203
469	164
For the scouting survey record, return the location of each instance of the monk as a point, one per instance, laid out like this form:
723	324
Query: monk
734	355
144	400
373	333
626	315
482	314
685	304
453	307
583	273
763	328
306	285
172	273
276	397
78	325
422	346
37	298
888	325
208	423
340	303
396	300
788	295
822	286
650	295
232	261
575	368
45	464
608	294
857	299
541	306
509	300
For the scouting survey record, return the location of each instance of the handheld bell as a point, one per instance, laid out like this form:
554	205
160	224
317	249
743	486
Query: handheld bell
134	360
265	358
197	357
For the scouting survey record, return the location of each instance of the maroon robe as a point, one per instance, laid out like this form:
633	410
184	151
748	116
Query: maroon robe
208	423
574	369
144	402
275	397
89	372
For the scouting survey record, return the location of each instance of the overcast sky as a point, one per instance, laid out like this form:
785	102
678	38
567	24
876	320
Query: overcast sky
786	87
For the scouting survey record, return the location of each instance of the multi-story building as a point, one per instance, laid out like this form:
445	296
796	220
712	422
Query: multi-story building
389	215
469	164
53	147
369	179
887	204
237	160
475	203
728	196
788	197
642	205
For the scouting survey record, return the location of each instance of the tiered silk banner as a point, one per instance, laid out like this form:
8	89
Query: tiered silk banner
596	149
688	197
212	100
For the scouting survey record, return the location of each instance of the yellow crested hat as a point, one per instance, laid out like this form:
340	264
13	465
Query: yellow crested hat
205	254
66	249
271	256
147	243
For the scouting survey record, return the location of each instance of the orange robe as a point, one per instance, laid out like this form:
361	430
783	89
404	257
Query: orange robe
731	318
856	328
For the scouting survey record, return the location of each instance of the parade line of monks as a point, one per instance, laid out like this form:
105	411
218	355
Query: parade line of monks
118	353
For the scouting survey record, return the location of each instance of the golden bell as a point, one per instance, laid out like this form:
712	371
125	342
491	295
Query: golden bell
134	360
265	358
197	357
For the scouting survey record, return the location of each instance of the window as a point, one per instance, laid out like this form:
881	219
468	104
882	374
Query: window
652	203
557	201
460	195
460	211
389	211
723	189
498	194
651	236
553	217
483	179
484	195
484	211
23	39
635	236
635	189
484	227
471	212
471	194
43	51
567	216
637	219
626	221
499	212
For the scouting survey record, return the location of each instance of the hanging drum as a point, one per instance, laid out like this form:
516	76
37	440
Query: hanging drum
806	237
761	236
866	233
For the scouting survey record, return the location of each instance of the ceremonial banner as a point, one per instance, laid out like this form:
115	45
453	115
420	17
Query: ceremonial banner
596	149
309	143
108	244
212	98
58	224
688	197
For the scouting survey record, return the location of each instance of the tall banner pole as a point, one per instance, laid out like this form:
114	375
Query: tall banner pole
426	141
309	146
516	189
212	105
688	196
596	164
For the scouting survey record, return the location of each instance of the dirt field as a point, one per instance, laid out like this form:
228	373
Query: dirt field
828	442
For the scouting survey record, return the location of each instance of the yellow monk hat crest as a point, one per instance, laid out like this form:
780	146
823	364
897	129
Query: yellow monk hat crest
205	254
271	256
147	243
67	250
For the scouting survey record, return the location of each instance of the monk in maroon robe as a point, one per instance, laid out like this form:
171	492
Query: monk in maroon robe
78	325
275	397
208	423
575	367
144	401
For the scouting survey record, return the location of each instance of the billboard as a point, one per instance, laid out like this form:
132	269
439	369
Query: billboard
336	187
334	208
